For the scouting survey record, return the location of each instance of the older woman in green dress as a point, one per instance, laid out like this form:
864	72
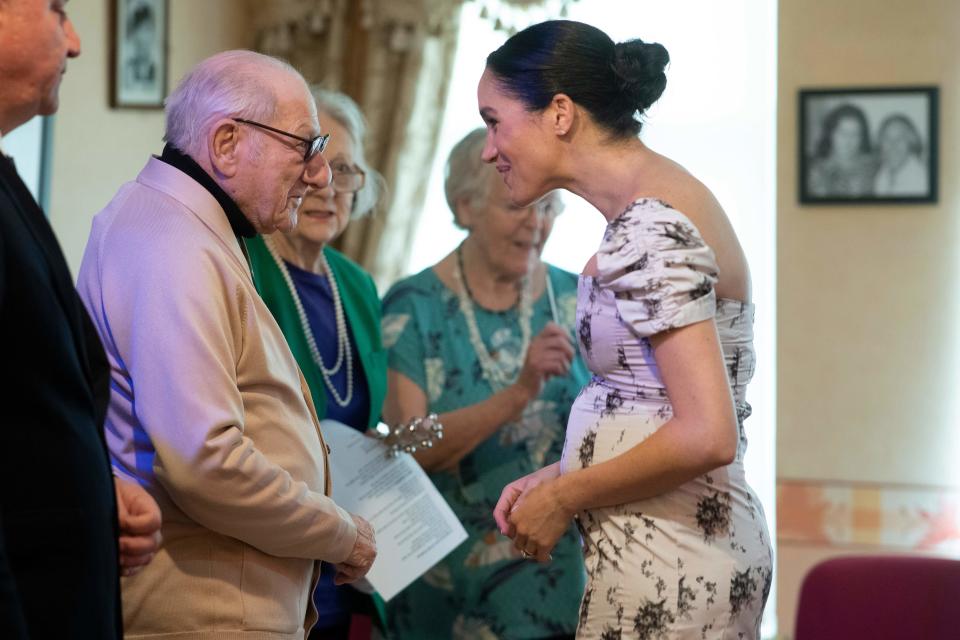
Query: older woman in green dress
483	338
329	311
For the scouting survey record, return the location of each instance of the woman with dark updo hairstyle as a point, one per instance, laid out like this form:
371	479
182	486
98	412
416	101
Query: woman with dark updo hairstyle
675	541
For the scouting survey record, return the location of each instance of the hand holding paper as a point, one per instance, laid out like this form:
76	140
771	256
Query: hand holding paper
416	527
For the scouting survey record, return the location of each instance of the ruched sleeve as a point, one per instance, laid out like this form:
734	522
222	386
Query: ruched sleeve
659	268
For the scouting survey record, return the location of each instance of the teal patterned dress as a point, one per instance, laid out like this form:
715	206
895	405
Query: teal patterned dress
484	590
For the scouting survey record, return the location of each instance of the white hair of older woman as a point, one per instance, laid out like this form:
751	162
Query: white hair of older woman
467	176
231	84
345	111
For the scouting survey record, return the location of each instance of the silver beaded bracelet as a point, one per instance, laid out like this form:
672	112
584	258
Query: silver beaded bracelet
418	433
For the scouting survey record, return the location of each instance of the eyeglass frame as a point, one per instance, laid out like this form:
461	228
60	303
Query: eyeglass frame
543	207
315	145
354	170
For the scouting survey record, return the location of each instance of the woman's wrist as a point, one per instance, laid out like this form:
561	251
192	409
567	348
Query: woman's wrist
518	397
567	492
549	472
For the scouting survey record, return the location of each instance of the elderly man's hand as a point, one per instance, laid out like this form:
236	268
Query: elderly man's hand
361	558
139	518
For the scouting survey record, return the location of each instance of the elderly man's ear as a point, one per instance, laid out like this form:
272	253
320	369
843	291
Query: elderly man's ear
224	147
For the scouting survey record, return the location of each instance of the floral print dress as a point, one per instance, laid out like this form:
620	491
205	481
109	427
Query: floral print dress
694	562
484	590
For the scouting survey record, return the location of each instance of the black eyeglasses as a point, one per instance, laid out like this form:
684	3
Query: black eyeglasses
313	146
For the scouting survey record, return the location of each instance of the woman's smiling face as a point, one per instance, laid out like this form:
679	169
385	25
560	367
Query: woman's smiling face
510	236
519	143
325	213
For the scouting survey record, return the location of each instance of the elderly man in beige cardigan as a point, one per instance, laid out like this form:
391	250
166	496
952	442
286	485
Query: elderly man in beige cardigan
208	409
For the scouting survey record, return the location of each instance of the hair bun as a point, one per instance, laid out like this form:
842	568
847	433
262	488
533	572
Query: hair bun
639	67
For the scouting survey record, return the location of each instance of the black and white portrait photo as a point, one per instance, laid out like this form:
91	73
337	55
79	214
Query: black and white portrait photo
868	145
139	53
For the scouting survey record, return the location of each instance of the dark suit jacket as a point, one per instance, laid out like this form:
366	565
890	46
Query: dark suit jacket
58	544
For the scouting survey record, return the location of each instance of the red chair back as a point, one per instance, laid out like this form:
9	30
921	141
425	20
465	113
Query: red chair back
880	598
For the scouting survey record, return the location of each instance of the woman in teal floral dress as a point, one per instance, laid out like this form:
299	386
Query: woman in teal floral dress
483	338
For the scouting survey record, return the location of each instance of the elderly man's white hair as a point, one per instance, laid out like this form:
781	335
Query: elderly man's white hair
466	177
229	84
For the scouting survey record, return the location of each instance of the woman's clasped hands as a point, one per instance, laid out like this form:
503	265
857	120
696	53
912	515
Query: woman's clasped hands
532	513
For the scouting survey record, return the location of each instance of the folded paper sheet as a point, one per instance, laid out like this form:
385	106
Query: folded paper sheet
415	528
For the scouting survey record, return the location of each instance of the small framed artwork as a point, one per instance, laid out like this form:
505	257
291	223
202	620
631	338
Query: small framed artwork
868	145
138	57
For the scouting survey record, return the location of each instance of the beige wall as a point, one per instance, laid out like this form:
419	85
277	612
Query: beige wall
95	148
869	297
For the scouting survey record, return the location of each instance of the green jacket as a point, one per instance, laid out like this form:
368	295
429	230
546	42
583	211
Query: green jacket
361	306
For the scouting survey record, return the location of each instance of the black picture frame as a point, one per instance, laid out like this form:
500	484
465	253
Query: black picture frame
138	53
892	160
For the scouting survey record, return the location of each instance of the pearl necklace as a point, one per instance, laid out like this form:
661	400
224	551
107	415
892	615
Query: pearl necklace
343	336
493	372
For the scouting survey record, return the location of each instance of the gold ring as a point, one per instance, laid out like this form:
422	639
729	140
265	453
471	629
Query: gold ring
525	553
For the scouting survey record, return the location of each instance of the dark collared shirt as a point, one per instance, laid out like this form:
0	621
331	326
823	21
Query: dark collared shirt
238	222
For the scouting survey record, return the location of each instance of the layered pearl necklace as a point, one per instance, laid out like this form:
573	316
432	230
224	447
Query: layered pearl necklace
493	372
344	354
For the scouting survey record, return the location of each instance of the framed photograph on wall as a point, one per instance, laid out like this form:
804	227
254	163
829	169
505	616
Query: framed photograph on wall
138	58
868	145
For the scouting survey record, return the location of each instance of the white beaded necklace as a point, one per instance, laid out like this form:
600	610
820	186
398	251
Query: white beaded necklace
343	336
493	372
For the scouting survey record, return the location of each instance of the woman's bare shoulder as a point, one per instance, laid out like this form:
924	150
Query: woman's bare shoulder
687	194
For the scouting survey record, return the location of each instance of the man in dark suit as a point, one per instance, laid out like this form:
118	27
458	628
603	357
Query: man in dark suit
61	511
